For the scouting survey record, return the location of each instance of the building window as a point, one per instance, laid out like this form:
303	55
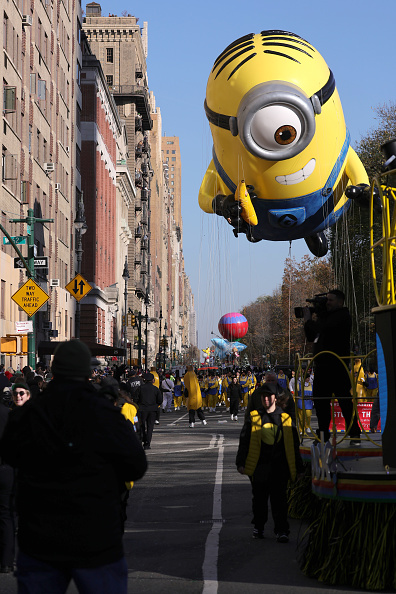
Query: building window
109	55
169	142
9	99
173	158
109	79
173	152
5	30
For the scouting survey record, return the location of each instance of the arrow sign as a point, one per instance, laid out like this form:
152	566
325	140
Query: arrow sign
78	287
41	262
18	263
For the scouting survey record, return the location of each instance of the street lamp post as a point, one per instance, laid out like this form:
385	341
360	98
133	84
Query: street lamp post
160	329
146	302
125	276
80	225
165	329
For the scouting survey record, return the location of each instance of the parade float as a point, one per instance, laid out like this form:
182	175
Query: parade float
350	502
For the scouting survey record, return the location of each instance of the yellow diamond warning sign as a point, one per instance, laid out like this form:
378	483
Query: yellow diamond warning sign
78	287
30	297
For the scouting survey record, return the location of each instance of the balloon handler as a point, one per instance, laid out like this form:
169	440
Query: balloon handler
192	392
269	454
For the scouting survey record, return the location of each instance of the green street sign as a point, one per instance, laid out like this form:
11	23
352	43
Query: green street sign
19	240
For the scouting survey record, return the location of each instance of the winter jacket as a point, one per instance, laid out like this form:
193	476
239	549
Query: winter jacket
74	451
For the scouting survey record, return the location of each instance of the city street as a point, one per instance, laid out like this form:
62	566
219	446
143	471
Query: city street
188	527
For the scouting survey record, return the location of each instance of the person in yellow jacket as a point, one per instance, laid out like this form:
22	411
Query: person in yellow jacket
269	455
283	380
359	376
130	411
252	382
156	383
371	385
212	389
245	386
177	392
192	391
202	385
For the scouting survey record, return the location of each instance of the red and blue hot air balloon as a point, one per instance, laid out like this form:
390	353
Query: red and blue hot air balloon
233	326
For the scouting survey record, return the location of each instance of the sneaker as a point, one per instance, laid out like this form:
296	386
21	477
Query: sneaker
191	425
204	422
232	417
356	443
282	538
156	422
235	418
257	533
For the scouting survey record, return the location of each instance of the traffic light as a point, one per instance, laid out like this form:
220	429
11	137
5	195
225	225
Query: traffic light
123	320
133	321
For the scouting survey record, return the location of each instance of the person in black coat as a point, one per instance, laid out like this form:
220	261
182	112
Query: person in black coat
331	331
73	451
235	396
7	524
148	398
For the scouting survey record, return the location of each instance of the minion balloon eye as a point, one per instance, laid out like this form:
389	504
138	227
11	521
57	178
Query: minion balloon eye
275	114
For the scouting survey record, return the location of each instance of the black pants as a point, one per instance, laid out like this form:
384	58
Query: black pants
191	415
7	524
326	383
147	420
375	413
234	405
274	489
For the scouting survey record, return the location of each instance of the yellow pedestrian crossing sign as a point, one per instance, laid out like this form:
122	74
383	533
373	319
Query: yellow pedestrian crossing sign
30	297
78	287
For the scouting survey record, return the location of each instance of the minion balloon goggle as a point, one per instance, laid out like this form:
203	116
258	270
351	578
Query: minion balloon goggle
262	113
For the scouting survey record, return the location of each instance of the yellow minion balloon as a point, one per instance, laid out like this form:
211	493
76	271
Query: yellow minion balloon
282	158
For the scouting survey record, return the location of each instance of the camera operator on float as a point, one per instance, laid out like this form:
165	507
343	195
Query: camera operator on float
330	330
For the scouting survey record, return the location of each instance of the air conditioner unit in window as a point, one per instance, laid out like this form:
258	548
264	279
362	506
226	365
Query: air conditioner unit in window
57	186
27	20
48	167
54	282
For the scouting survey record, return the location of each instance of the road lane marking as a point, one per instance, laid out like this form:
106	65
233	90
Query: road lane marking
209	568
178	420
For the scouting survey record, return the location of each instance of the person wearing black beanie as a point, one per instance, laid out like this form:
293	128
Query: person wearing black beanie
73	451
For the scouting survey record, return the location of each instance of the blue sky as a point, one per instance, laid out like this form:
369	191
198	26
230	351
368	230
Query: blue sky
357	41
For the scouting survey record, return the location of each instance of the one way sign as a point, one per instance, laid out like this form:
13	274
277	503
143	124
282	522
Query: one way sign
78	287
41	262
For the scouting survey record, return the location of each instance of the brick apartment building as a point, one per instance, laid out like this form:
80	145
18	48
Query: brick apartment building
40	139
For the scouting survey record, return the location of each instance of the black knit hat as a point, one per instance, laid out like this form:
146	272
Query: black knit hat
148	377
72	359
269	388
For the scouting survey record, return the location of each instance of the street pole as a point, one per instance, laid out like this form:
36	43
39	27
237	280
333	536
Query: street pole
140	340
146	302
80	225
30	221
165	329
125	276
160	330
